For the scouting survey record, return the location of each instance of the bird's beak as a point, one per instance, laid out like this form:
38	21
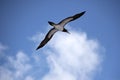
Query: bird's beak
68	32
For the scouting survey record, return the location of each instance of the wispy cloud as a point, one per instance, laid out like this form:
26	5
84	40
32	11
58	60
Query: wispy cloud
69	57
5	74
15	67
29	78
20	66
72	57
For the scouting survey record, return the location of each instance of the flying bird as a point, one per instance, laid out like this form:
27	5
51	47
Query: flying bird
58	27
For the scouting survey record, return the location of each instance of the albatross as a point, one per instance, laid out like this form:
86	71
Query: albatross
58	27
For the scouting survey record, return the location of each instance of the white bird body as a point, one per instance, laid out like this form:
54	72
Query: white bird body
58	27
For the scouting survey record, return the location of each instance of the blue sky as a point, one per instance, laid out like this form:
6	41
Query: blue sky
22	21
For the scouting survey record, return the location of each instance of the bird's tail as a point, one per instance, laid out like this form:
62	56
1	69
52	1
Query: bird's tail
51	23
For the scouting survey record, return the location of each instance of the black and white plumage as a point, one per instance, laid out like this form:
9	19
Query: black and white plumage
58	27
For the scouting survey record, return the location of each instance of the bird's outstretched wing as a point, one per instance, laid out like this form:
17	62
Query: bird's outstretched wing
47	38
71	18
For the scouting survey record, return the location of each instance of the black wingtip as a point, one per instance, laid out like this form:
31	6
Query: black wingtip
78	15
38	47
82	12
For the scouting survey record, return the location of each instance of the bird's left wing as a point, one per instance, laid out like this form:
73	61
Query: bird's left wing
71	18
47	38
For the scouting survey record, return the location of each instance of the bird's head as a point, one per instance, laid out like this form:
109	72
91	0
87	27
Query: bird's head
51	23
65	30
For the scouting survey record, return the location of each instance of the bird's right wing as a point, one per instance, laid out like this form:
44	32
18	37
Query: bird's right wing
47	38
71	18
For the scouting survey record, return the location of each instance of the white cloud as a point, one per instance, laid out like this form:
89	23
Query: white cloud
29	78
72	57
20	64
5	74
16	67
69	57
